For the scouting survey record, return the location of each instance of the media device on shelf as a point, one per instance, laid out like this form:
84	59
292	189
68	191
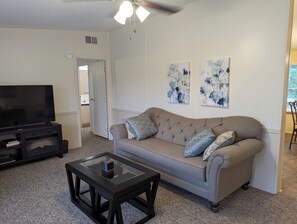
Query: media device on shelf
22	105
9	142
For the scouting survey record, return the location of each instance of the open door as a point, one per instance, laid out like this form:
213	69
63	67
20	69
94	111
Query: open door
98	98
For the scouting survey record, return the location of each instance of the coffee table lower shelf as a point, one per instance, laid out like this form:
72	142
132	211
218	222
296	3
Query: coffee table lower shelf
93	206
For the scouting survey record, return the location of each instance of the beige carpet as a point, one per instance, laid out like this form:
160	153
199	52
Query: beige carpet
289	185
38	193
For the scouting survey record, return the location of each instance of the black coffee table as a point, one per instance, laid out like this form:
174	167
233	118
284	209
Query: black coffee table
125	184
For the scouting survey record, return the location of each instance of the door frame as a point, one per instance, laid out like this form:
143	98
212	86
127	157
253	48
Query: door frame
108	91
280	164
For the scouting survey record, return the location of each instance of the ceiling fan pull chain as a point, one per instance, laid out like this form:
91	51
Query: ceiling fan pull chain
134	19
130	28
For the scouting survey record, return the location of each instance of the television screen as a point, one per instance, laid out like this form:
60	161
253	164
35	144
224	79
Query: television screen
25	105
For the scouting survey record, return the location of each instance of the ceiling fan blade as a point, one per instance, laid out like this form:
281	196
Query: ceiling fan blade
161	7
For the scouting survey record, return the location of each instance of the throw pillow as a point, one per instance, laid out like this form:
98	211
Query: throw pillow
131	135
224	139
199	143
142	126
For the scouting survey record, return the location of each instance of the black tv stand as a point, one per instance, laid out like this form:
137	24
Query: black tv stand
25	144
48	124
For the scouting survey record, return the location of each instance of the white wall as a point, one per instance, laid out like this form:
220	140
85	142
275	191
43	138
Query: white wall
252	33
36	56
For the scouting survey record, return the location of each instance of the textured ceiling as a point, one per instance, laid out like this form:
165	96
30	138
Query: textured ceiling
65	14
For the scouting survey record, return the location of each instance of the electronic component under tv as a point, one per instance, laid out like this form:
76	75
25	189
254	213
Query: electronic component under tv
26	105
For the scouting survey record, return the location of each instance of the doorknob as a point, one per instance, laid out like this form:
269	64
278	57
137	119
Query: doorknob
92	99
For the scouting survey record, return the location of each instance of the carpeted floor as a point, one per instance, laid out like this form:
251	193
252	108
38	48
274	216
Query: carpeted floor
38	193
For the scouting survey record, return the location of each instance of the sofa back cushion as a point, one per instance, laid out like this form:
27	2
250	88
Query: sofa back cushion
179	130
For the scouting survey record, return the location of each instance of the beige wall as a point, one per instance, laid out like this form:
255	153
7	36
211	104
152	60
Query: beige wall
252	33
36	56
293	57
85	116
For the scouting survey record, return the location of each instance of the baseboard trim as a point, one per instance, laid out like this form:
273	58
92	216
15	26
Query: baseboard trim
66	113
126	111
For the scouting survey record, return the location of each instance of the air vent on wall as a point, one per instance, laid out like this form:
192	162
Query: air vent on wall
90	40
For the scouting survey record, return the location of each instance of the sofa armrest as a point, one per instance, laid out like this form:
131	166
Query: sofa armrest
233	154
118	132
230	167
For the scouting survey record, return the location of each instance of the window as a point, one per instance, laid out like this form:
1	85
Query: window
292	86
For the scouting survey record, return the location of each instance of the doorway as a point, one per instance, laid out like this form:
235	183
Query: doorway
93	98
289	156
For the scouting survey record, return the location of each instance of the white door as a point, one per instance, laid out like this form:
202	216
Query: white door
98	98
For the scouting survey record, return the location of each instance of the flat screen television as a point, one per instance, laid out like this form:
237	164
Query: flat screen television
26	105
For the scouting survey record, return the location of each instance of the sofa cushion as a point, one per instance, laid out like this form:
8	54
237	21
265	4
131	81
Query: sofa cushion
142	126
199	143
170	155
224	139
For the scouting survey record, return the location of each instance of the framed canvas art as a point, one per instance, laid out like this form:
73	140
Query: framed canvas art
214	90
179	83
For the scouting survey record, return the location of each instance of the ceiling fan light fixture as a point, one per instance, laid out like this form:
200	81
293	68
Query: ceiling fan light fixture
142	13
120	17
127	8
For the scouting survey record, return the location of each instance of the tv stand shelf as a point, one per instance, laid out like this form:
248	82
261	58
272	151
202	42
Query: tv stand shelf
35	142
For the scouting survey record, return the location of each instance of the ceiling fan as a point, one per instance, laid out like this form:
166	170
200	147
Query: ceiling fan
137	7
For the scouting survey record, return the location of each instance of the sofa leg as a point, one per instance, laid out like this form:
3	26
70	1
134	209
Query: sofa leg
214	207
245	186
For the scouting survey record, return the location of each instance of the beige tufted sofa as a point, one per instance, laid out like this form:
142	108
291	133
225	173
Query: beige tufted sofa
227	169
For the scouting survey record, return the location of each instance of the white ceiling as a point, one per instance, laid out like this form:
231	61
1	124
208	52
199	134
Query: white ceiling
76	14
65	14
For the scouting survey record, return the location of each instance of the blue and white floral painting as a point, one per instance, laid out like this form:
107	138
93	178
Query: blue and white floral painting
214	90
179	83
